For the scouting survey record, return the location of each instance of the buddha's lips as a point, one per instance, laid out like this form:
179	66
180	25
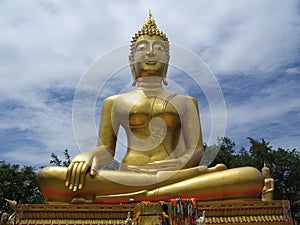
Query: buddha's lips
151	62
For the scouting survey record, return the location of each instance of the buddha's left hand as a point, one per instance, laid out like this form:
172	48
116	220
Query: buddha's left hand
84	163
156	166
168	164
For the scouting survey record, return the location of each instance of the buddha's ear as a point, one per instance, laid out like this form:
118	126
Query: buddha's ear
133	72
164	75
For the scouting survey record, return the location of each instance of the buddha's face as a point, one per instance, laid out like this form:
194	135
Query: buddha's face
150	57
266	173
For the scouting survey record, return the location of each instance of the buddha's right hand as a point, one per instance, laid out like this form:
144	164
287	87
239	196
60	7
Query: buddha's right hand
81	164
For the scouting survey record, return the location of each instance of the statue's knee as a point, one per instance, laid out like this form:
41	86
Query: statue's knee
51	174
42	174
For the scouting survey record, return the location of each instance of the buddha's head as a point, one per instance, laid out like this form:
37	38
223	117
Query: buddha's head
149	52
265	171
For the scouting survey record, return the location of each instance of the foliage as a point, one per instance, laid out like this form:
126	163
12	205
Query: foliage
284	166
55	161
226	154
18	184
113	165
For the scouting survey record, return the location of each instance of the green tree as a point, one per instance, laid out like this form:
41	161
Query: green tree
285	171
284	166
18	184
260	152
113	165
244	158
55	161
227	153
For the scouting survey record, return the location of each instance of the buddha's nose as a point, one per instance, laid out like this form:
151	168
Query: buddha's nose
150	53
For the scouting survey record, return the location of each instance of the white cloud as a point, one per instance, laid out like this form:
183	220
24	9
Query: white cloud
293	70
46	44
273	114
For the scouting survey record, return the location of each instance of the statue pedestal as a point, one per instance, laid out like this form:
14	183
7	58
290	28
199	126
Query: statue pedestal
247	212
217	212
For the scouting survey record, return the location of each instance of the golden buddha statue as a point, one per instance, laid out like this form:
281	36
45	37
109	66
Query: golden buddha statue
268	189
164	143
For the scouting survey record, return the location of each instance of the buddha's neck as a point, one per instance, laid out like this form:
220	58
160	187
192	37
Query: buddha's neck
152	83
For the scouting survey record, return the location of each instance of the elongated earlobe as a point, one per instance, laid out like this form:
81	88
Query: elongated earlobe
134	82
165	81
134	75
164	75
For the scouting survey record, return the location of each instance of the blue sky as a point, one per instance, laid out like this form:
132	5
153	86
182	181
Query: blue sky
46	48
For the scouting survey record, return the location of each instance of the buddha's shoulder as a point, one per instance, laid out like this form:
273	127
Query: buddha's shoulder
118	97
110	99
186	98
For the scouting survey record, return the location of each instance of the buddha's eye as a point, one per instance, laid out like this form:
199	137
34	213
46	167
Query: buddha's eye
141	47
158	47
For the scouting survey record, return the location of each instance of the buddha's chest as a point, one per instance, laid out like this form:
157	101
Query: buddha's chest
143	110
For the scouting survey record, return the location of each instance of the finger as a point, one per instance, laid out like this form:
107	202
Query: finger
165	163
73	174
149	166
169	168
82	175
133	168
68	175
151	171
77	176
137	169
94	166
141	169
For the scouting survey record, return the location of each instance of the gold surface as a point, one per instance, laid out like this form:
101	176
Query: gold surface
268	189
76	214
164	144
229	212
147	213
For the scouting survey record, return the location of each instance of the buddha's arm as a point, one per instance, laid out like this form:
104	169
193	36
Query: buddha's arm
191	130
270	185
196	124
109	125
91	160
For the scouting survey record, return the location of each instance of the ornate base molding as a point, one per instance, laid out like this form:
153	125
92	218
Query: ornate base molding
218	212
247	212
